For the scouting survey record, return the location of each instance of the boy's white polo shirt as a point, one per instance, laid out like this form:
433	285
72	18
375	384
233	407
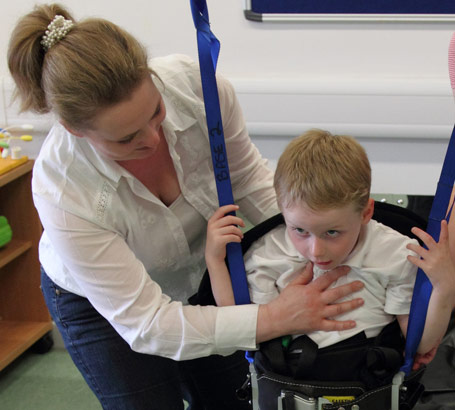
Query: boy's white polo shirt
379	261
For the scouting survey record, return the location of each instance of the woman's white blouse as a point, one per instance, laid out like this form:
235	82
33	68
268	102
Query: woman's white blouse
107	238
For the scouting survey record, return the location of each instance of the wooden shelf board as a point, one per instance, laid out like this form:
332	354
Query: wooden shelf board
12	250
16	172
17	337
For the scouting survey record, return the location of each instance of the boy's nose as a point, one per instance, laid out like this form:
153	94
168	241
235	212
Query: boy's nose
318	248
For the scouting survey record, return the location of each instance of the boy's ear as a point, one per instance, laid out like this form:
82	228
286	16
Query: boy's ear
71	130
368	211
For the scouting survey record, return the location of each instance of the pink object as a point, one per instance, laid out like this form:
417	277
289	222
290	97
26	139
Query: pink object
452	62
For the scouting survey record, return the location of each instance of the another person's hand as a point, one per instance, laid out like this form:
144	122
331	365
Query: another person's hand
306	305
222	228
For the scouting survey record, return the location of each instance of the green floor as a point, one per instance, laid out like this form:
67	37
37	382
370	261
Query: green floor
47	381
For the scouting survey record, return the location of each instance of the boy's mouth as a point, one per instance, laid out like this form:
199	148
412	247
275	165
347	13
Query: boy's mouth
323	263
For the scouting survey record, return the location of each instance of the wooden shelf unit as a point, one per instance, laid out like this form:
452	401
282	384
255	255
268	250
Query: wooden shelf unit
24	317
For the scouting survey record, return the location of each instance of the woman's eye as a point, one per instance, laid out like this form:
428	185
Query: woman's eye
127	141
332	234
300	231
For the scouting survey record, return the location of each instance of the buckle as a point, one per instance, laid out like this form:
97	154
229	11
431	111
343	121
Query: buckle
302	402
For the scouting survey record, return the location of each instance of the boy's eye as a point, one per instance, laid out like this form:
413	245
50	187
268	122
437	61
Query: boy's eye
300	231
332	233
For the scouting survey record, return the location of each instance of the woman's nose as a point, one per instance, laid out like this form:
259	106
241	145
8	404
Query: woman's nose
151	137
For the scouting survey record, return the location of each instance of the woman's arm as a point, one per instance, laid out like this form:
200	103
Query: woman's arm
117	284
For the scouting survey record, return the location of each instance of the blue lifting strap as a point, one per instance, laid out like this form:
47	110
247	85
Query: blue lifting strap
208	50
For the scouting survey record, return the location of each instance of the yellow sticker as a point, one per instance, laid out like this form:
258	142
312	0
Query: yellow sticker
339	399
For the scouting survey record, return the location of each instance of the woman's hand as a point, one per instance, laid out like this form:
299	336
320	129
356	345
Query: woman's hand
305	306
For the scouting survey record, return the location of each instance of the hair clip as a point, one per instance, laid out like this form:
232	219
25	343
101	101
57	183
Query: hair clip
56	30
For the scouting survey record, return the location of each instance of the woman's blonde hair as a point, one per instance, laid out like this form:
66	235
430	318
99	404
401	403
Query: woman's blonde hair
323	170
96	65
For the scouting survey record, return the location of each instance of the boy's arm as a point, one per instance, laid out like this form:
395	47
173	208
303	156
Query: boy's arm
221	230
438	265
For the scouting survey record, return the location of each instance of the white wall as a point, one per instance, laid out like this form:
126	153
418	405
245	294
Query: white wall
385	83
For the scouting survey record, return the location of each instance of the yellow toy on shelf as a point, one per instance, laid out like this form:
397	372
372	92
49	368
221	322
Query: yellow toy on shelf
7	164
11	156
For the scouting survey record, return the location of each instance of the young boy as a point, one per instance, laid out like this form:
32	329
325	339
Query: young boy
322	182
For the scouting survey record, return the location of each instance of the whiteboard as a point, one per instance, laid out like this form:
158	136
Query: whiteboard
350	10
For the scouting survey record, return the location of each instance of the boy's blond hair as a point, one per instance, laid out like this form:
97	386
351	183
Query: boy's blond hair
323	170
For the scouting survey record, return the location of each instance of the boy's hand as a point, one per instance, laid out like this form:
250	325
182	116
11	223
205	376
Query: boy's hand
435	261
221	230
423	359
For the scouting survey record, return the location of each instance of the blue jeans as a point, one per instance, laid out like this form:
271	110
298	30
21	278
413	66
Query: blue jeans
126	380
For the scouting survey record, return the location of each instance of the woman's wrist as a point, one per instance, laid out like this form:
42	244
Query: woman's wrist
267	328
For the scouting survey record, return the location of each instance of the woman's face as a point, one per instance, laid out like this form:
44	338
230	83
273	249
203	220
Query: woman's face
130	129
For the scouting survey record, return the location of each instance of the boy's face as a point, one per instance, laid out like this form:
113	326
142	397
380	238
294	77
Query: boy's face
326	237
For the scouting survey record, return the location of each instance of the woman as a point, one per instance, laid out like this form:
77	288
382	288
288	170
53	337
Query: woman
124	188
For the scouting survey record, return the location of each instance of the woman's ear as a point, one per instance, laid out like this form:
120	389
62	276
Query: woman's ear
71	130
368	211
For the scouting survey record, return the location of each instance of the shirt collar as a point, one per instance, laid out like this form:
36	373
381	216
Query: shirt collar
178	117
108	167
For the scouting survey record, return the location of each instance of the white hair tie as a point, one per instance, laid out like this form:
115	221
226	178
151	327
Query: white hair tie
56	30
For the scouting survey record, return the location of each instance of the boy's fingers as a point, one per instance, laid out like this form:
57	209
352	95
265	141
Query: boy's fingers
417	249
416	261
231	230
423	236
225	209
444	234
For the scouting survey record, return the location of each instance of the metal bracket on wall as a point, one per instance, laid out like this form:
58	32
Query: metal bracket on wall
393	199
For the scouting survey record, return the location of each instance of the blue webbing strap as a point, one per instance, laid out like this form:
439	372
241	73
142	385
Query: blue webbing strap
208	49
423	287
